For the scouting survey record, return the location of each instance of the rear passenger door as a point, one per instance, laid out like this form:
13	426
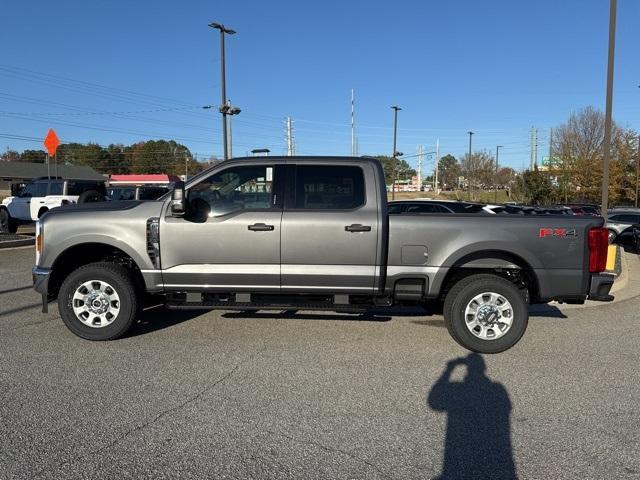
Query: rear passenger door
330	229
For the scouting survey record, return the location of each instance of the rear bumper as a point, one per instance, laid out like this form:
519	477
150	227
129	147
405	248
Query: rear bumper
600	286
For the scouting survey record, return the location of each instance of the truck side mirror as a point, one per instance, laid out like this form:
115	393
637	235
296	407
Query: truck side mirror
178	202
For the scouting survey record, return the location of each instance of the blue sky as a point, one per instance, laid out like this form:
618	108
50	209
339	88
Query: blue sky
119	72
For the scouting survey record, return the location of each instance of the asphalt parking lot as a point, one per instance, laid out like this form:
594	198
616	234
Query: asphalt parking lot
232	395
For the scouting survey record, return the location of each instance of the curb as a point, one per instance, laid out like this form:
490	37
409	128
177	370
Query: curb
13	241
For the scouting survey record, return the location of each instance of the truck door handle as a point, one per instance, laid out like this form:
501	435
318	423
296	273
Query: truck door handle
261	227
356	227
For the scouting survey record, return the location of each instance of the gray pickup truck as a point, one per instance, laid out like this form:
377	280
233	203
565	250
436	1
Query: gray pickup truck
312	233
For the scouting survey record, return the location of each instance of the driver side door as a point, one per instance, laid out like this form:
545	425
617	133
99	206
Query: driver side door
229	238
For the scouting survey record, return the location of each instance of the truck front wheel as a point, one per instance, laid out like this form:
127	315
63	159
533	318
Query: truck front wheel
98	301
7	224
486	313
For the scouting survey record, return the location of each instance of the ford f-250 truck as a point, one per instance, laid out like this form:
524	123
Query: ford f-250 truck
292	233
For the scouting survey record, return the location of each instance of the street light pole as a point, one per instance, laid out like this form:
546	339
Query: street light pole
395	152
469	161
223	84
637	170
495	198
607	119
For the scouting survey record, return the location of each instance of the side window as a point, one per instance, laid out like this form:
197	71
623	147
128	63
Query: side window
35	189
624	218
233	189
331	187
55	188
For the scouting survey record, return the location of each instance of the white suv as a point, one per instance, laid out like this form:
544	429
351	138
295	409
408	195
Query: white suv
43	194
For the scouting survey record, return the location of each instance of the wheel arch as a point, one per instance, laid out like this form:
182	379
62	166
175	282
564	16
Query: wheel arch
502	263
81	254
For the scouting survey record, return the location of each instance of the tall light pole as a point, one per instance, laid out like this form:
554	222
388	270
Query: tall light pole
495	197
469	159
395	152
607	118
224	107
637	169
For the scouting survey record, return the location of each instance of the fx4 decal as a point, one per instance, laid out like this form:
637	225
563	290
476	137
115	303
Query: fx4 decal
557	232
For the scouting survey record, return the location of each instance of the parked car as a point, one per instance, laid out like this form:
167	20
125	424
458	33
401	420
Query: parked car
136	192
434	206
582	208
44	194
620	222
310	233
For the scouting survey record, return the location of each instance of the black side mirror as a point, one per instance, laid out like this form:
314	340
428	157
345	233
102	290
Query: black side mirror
178	202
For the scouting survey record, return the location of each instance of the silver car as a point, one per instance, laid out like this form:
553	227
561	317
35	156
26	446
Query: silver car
620	221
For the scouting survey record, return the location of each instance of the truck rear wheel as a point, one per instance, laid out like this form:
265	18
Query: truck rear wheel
98	301
486	313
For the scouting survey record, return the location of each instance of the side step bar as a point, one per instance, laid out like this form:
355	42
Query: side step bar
247	301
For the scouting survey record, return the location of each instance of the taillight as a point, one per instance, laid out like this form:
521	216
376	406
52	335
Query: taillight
598	247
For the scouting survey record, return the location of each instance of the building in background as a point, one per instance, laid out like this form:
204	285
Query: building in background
24	172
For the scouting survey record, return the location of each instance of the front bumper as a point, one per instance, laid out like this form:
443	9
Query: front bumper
41	284
600	286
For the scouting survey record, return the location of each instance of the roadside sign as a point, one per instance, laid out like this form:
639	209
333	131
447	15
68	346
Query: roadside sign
51	142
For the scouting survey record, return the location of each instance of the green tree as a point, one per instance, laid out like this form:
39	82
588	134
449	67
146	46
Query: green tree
538	187
9	156
403	169
33	156
449	172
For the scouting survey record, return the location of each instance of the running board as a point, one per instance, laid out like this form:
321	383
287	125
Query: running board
246	301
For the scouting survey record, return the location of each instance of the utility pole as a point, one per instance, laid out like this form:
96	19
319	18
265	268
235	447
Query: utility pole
533	160
495	197
435	187
290	145
419	168
395	151
637	170
469	160
607	115
353	125
224	107
531	149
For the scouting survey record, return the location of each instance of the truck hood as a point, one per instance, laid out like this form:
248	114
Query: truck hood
7	201
115	206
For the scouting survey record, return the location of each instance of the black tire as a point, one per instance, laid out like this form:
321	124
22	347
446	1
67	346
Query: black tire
7	224
462	294
120	279
42	212
90	196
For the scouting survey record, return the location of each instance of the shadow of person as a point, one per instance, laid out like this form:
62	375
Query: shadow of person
478	441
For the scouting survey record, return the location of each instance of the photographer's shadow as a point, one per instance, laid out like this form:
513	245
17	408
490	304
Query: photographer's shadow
478	441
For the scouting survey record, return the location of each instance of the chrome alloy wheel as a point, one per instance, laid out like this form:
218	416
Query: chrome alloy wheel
488	316
96	303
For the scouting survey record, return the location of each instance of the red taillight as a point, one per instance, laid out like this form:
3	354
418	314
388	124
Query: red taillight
598	247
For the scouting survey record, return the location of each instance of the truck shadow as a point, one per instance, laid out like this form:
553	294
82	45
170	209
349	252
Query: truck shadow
296	315
157	318
478	436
